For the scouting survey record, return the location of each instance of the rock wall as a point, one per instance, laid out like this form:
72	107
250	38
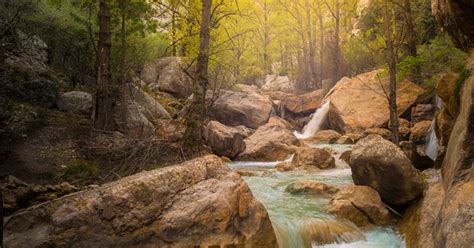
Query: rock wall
455	223
456	17
198	203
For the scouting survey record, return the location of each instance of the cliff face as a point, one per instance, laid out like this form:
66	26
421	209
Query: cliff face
457	18
455	223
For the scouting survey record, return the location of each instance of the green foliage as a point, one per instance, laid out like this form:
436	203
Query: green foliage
252	74
408	67
81	168
463	76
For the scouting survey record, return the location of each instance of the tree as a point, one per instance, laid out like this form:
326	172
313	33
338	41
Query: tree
195	121
103	112
392	65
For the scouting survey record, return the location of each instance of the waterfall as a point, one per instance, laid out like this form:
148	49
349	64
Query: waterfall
438	102
315	124
431	145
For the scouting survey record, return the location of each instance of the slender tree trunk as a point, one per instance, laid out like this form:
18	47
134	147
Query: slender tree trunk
337	51
321	45
393	74
123	54
198	113
266	40
311	49
411	39
103	114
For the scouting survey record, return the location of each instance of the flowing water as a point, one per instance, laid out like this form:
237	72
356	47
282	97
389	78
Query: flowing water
301	220
315	124
431	145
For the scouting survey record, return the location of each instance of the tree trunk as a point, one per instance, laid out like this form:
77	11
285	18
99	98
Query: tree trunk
123	54
266	40
195	121
321	45
337	50
392	64
411	39
311	49
103	114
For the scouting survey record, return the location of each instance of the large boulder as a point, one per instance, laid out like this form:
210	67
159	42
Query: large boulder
303	104
380	164
454	225
168	75
311	187
313	157
367	105
455	16
269	143
361	205
76	101
38	92
385	133
237	108
198	203
444	126
224	141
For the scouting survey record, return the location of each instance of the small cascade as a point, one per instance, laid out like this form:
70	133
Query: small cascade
431	145
273	112
438	102
315	124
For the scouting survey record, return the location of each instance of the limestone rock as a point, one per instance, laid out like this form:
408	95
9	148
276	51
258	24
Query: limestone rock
303	104
237	108
361	205
311	187
224	141
317	157
279	122
367	107
344	140
198	203
382	165
446	89
76	101
29	54
422	112
269	143
278	83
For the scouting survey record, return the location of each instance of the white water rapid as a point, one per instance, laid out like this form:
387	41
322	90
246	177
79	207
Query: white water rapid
431	145
315	124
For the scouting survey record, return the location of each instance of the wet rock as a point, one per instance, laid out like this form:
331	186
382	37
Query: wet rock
367	107
344	140
237	108
19	195
324	137
245	131
383	132
419	132
444	126
327	231
354	136
418	220
285	166
75	101
422	112
311	187
346	156
38	92
382	165
224	141
201	202
269	143
361	205
317	157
